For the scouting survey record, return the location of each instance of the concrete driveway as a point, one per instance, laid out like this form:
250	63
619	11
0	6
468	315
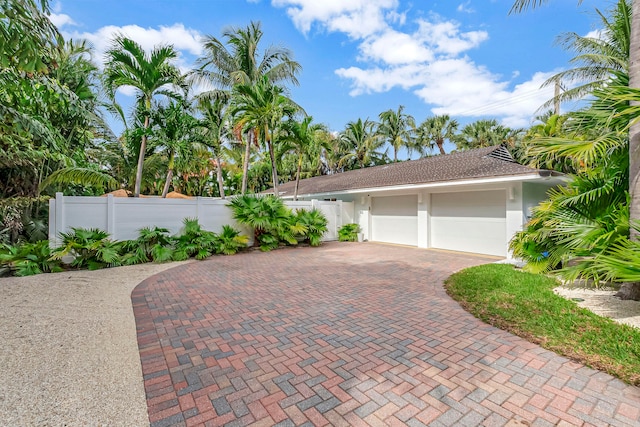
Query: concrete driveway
348	335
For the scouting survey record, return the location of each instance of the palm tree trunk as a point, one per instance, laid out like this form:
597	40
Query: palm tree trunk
632	290
167	182
143	148
395	154
295	192
245	161
274	169
219	176
440	144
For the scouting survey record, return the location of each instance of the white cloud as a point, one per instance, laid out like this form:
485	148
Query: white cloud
60	20
432	61
445	37
356	18
465	7
394	47
183	39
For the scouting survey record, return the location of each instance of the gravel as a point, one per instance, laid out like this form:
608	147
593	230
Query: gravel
69	353
604	303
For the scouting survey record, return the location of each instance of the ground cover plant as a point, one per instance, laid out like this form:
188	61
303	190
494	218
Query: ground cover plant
525	305
93	249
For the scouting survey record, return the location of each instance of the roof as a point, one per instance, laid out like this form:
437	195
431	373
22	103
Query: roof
489	162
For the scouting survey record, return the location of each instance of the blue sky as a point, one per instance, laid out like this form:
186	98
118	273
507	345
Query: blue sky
466	58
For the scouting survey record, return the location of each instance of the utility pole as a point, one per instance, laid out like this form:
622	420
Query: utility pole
556	100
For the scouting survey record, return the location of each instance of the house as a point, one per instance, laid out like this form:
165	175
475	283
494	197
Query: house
472	201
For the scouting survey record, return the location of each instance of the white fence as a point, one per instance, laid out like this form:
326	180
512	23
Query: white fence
122	217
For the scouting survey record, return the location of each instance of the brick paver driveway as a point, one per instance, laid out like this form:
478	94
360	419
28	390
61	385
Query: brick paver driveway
348	334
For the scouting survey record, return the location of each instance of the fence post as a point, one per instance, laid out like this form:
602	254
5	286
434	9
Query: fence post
59	225
111	227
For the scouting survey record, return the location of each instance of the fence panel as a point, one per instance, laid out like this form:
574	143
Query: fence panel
122	217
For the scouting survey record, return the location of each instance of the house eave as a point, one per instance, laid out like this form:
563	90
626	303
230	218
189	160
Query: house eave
542	176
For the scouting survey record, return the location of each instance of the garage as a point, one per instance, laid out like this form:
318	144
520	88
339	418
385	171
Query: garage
394	219
473	221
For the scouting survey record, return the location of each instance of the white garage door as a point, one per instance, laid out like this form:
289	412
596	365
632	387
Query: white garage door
394	219
472	221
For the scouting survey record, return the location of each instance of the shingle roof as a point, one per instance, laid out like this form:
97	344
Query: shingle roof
479	163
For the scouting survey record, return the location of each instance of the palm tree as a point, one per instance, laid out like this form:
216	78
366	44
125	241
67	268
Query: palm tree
238	63
435	130
634	127
598	58
301	137
173	130
262	106
397	128
129	65
215	126
362	145
482	133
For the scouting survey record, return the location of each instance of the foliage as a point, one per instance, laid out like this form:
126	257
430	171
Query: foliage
270	219
434	131
230	241
153	244
349	232
397	127
193	241
525	304
27	259
315	224
362	146
90	248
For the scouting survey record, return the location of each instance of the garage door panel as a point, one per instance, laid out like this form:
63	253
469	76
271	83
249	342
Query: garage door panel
395	220
469	222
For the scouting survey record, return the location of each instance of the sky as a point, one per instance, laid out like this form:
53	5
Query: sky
470	59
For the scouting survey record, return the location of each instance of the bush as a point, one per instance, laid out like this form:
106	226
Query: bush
27	259
91	248
153	244
272	222
315	224
349	232
230	241
194	242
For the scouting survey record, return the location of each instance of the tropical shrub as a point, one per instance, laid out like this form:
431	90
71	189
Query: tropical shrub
90	248
349	232
27	259
194	242
269	218
315	224
229	241
153	244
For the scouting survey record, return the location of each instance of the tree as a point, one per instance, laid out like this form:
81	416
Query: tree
434	131
483	133
301	137
173	130
262	106
628	289
362	145
598	58
215	128
127	64
238	62
397	127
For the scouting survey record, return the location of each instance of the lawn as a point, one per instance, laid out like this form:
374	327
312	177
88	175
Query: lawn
525	305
